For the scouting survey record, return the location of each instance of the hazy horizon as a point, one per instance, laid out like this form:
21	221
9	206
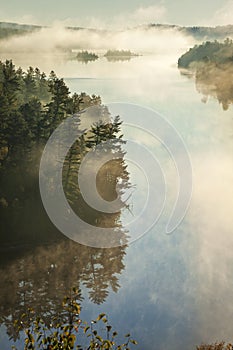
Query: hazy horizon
118	15
67	26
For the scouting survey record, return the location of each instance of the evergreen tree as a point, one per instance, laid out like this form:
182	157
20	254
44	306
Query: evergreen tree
30	89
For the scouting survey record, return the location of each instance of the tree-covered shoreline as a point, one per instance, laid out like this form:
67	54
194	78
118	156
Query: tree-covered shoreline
215	52
32	106
211	64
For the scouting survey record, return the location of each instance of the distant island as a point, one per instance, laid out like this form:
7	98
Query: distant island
119	55
212	66
85	56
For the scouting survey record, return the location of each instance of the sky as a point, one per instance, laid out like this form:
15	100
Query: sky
121	13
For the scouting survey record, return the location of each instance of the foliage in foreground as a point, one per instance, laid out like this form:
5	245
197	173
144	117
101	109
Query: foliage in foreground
67	330
215	346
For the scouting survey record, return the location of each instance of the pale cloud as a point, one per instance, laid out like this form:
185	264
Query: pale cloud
25	19
149	14
57	37
141	15
223	16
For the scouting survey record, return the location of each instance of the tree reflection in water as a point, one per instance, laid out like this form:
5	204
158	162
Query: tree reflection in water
38	264
214	80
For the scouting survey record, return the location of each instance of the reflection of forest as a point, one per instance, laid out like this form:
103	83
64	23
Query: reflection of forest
212	65
118	58
216	80
38	265
42	276
213	80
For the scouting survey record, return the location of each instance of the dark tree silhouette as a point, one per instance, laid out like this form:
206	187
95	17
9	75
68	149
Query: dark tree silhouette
38	265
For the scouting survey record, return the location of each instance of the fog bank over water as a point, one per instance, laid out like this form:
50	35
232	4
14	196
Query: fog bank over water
188	275
59	38
211	260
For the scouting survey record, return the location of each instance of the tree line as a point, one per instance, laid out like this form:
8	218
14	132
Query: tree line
212	66
32	106
215	51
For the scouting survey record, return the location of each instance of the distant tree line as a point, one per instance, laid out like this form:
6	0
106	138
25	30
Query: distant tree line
197	32
8	30
6	33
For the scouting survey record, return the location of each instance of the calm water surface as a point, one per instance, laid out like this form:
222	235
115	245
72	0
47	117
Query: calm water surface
169	291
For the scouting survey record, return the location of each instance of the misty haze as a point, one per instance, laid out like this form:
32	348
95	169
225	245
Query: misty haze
169	291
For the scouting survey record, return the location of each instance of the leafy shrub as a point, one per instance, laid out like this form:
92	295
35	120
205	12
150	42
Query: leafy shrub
215	346
66	330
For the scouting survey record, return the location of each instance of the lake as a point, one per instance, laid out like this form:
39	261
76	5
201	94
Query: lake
170	291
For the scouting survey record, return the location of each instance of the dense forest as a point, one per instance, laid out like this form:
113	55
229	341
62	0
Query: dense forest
217	52
32	105
31	108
